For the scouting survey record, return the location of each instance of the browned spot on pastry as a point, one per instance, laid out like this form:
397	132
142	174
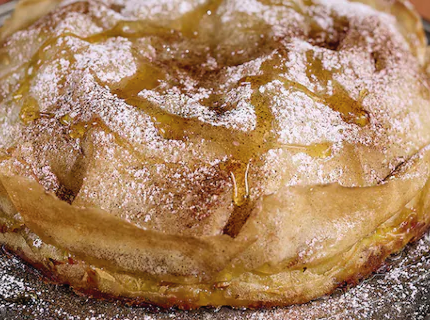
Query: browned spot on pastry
237	219
65	194
68	190
11	228
378	60
117	7
218	103
329	40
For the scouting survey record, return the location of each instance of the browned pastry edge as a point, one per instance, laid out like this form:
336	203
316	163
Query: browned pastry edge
410	230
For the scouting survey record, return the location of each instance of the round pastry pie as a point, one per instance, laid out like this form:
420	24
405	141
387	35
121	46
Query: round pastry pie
197	153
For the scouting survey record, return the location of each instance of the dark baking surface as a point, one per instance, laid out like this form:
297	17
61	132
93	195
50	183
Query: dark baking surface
400	290
427	28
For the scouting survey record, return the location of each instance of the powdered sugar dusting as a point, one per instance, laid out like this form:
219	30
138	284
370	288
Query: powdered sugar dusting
179	96
110	61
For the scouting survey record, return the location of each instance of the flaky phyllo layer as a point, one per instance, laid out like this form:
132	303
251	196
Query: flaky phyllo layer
193	153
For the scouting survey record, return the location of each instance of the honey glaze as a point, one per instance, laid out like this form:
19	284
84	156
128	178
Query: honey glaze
244	149
133	30
30	110
242	146
66	120
239	175
320	150
242	201
187	25
148	77
78	130
352	111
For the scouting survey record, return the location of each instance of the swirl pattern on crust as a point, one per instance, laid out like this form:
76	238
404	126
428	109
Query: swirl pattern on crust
204	153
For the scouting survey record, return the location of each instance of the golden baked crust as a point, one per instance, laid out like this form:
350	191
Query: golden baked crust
206	153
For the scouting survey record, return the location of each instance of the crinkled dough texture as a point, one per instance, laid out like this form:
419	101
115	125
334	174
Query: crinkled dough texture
249	153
